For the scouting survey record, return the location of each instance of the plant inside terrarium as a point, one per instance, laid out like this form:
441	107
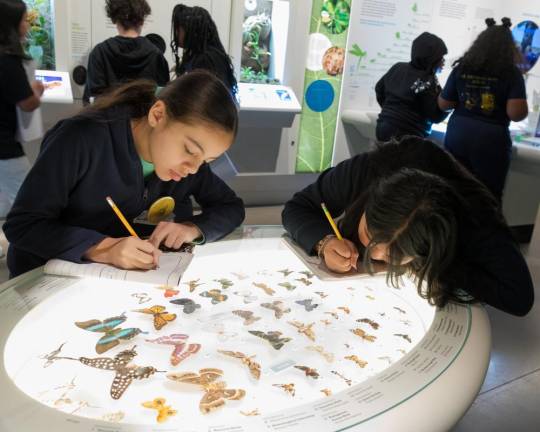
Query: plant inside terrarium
256	32
40	38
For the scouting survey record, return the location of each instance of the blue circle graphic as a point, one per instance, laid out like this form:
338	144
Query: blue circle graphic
319	95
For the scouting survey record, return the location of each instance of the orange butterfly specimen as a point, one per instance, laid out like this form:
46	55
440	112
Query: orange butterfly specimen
215	392
326	391
169	291
164	411
364	335
305	329
288	388
254	367
161	316
310	372
265	288
358	361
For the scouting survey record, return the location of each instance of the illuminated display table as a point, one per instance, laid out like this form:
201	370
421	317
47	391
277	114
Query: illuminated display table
352	354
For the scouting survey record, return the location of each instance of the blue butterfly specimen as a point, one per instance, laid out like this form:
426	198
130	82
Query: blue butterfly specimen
112	335
308	305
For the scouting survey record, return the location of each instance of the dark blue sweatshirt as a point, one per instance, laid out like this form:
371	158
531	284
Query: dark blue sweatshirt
60	211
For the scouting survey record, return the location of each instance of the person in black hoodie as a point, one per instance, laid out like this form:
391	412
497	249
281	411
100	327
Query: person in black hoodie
408	92
194	30
411	205
136	147
125	57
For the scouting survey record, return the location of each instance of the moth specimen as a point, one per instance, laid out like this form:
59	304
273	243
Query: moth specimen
192	284
225	283
264	287
310	372
160	315
216	392
361	333
285	272
357	360
305	329
345	309
404	336
249	316
254	367
321	294
272	337
308	304
305	281
278	307
289	286
373	324
215	295
288	388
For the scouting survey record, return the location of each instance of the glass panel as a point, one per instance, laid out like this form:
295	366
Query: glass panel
40	39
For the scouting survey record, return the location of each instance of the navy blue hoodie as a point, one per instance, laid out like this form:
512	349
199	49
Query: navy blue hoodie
60	211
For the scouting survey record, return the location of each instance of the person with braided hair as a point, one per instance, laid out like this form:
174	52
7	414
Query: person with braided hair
195	32
486	90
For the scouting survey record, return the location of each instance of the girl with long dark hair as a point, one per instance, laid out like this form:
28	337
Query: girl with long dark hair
411	205
195	32
486	91
136	147
15	91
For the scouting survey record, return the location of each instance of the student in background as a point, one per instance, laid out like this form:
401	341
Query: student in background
15	91
157	41
486	91
129	55
411	205
408	92
136	147
196	33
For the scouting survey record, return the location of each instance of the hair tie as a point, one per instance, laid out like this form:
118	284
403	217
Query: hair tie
490	22
506	22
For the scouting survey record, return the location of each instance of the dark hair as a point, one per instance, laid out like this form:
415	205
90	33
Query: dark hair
197	96
129	14
493	53
11	14
418	198
157	41
201	35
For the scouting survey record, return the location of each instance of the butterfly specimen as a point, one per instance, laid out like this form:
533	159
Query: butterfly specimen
289	286
249	316
225	283
160	314
125	372
345	309
169	291
181	350
305	329
193	284
142	297
285	272
373	324
215	295
112	335
240	276
347	380
248	298
288	388
399	310
215	392
264	287
305	281
278	307
309	371
251	413
370	297
164	411
404	336
189	305
326	322
357	360
307	274
326	391
328	356
333	314
254	367
321	294
308	304
364	335
388	359
52	356
114	417
272	337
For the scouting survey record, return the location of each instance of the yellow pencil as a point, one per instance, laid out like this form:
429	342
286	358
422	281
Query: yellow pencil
332	223
121	217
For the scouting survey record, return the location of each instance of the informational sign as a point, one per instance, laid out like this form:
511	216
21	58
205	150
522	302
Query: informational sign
57	86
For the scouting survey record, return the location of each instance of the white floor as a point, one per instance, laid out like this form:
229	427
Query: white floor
510	397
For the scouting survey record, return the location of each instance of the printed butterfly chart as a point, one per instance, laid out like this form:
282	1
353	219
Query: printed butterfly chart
215	295
308	304
288	388
181	350
112	335
272	337
164	411
249	316
216	392
310	372
305	329
189	306
125	372
193	284
169	291
160	314
278	307
254	367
